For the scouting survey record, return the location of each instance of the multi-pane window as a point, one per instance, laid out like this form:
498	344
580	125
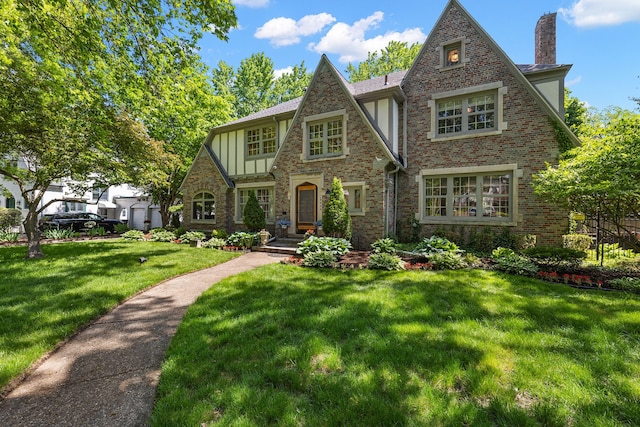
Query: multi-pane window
100	193
203	207
75	207
325	138
480	197
265	199
469	114
261	141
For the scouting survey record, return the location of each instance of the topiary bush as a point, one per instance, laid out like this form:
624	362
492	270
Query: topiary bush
336	221
133	235
385	261
253	214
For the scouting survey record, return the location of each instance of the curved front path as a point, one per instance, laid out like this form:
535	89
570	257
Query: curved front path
107	374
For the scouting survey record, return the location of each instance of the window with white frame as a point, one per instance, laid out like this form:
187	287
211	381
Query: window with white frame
484	195
265	199
75	207
467	112
261	141
203	207
325	136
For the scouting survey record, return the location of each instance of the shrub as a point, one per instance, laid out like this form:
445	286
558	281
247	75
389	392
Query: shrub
191	236
510	262
384	246
626	283
134	235
320	259
385	261
578	242
336	221
219	233
334	245
9	218
120	228
242	239
552	256
435	244
446	260
9	236
526	241
215	243
97	231
162	235
253	214
59	233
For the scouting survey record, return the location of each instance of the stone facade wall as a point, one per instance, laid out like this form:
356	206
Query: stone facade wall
529	141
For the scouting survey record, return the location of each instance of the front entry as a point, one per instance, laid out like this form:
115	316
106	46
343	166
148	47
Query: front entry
306	206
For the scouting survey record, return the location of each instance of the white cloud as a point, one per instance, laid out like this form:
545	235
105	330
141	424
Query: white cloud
251	3
599	13
350	43
281	71
286	31
573	82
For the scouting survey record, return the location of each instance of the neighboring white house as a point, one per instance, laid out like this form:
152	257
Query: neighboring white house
122	202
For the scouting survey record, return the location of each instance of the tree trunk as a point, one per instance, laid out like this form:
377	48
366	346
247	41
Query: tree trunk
33	236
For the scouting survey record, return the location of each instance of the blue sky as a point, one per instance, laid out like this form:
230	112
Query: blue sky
599	37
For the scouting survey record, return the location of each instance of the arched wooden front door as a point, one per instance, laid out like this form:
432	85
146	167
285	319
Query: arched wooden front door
306	206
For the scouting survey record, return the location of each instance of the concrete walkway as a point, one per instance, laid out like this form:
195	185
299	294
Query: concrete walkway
108	373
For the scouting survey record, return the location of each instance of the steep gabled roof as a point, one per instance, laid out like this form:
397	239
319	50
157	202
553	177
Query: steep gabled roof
516	70
205	146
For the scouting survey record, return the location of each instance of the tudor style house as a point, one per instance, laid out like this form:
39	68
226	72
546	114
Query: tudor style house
454	140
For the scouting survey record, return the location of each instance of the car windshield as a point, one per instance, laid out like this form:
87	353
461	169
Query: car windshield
94	216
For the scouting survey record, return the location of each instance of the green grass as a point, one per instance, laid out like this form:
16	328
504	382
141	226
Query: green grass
285	345
44	301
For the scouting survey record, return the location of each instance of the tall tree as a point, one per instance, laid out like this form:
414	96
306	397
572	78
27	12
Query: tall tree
397	56
290	85
575	112
253	84
74	77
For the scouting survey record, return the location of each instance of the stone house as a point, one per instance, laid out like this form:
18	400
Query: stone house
453	141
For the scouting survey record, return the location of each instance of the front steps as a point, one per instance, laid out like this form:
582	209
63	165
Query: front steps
286	246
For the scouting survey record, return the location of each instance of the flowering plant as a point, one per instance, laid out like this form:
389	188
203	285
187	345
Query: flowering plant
284	223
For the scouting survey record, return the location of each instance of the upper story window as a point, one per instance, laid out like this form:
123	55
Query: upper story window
452	54
261	141
325	136
203	207
99	194
466	112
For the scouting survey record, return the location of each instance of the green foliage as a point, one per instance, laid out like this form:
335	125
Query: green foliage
397	56
575	112
435	244
253	214
96	231
626	283
192	236
215	243
9	236
319	259
446	260
133	235
526	241
510	262
9	218
120	228
579	242
385	261
242	239
219	233
553	257
59	233
162	235
334	245
384	246
336	221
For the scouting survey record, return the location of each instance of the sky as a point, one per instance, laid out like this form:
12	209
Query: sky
599	37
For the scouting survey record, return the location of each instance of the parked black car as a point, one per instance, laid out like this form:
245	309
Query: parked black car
78	221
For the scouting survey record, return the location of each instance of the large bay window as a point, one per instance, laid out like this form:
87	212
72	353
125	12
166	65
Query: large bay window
265	198
325	136
470	194
466	112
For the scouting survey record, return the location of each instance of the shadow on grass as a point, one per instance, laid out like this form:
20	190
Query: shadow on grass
299	346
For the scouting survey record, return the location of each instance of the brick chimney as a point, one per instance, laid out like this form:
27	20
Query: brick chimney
546	39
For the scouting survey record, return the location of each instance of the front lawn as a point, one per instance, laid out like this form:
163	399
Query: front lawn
285	345
45	301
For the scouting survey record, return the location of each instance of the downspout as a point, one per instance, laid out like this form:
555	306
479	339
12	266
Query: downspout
395	207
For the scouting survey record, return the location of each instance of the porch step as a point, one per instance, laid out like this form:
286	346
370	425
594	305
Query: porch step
280	245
